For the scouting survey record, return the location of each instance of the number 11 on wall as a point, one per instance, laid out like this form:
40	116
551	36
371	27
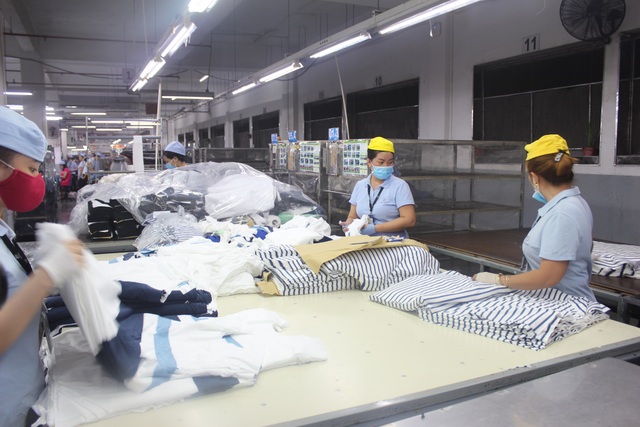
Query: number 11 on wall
531	43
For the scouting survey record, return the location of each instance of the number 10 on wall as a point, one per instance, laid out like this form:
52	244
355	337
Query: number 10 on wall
531	43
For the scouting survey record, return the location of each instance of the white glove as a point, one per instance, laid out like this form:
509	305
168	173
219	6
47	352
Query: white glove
62	261
486	277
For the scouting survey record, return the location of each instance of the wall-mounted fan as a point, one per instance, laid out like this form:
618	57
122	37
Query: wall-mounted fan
591	20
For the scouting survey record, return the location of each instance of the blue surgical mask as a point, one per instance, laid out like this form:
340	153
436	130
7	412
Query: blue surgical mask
537	195
382	172
168	166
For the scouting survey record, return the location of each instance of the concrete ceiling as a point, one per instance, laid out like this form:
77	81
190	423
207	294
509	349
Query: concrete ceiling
90	50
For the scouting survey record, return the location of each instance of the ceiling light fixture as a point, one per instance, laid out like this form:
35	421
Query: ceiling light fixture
54	118
284	71
342	45
199	6
82	127
108	129
187	95
89	114
138	84
16	107
244	88
203	78
152	68
179	35
18	93
430	13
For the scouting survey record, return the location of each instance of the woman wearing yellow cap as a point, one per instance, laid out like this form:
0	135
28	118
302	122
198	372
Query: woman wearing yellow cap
386	199
558	247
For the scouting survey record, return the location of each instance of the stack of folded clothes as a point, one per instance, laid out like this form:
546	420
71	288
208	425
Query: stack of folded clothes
110	220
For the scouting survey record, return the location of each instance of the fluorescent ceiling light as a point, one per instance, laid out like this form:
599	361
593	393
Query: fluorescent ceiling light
16	107
179	35
116	141
140	127
108	129
430	13
284	71
203	78
108	122
89	114
138	84
342	45
199	6
54	118
152	68
243	88
48	109
83	127
64	129
187	95
140	122
18	93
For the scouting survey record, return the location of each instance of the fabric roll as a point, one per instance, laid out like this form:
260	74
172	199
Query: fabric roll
273	221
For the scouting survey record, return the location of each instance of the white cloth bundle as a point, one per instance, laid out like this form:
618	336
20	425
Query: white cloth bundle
92	298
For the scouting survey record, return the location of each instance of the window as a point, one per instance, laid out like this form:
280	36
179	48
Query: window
320	116
263	126
217	136
241	135
556	91
389	111
628	141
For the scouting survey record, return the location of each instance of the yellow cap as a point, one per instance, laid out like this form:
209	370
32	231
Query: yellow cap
548	144
380	144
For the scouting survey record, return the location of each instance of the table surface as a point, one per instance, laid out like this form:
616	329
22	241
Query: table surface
505	247
381	361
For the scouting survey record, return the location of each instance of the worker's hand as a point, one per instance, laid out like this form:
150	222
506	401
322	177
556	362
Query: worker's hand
368	229
345	224
63	262
486	277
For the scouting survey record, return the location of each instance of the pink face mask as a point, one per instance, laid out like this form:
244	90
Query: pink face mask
22	192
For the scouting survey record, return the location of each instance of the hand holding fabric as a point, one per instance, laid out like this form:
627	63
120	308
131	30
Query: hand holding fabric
486	277
63	261
368	230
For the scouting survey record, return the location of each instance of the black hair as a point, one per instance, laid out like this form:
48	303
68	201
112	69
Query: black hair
7	155
371	154
171	155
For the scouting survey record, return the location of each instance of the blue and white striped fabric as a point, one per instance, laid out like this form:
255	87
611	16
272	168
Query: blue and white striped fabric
530	319
616	260
367	269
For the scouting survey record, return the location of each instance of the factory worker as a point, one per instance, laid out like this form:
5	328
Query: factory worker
22	189
558	247
384	198
174	155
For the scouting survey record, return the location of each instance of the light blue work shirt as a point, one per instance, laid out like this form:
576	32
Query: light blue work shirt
562	232
391	195
21	374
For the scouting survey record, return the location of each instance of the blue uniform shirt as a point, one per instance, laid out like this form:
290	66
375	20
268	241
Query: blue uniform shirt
391	195
21	374
562	232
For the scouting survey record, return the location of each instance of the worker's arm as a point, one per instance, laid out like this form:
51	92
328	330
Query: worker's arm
407	219
549	274
19	309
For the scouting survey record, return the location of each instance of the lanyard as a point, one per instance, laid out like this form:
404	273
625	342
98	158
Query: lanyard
372	204
18	254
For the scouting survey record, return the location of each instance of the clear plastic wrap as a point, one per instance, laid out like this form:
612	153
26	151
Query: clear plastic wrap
218	190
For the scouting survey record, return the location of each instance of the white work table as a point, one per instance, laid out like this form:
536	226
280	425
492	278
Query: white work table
381	362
